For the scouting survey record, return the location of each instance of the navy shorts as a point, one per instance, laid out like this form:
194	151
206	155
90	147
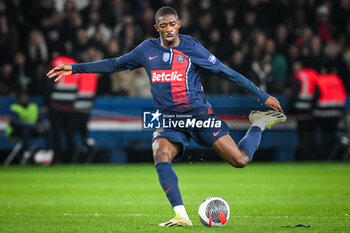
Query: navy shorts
203	136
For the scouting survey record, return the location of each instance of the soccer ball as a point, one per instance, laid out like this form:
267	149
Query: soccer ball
214	212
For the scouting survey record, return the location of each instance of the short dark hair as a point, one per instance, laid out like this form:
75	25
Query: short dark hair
165	10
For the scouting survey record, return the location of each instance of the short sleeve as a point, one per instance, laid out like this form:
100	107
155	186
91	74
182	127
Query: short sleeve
202	57
133	59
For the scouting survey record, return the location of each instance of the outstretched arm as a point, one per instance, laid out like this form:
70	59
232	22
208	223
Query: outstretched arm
129	61
104	66
246	84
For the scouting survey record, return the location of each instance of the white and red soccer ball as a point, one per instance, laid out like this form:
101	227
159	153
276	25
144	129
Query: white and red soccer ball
214	212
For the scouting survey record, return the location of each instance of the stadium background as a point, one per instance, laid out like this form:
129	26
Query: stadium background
241	34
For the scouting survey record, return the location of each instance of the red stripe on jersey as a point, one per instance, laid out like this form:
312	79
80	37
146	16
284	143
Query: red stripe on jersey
178	89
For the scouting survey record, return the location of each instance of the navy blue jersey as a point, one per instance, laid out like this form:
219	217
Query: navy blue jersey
173	72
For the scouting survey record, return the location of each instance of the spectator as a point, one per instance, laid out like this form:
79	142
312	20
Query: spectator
113	49
293	56
259	39
94	6
141	85
44	15
3	7
60	98
118	9
21	72
282	39
341	15
332	56
121	83
37	49
8	84
299	20
238	62
80	44
38	55
131	83
249	23
261	74
331	97
230	18
26	122
278	66
322	23
233	42
129	38
71	23
204	24
55	41
69	8
315	59
97	30
147	22
9	41
301	104
214	42
305	40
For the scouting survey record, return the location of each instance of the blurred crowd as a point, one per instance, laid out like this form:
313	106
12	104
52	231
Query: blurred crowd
261	39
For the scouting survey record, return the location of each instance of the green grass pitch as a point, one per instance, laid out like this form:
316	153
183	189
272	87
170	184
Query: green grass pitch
127	198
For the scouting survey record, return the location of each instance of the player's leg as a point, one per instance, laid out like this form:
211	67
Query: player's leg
260	121
163	153
239	156
230	152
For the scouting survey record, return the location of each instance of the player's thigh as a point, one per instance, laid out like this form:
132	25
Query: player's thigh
230	152
164	150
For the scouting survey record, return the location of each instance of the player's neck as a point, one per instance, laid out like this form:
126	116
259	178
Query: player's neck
174	44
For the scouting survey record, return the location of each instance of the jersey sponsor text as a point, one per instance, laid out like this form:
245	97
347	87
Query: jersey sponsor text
167	76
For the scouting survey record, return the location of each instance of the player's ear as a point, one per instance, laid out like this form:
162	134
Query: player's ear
180	23
156	27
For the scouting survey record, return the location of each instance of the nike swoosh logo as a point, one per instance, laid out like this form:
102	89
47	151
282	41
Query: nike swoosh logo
151	58
216	134
166	191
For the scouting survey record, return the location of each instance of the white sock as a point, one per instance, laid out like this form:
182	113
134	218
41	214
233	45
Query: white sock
260	123
180	209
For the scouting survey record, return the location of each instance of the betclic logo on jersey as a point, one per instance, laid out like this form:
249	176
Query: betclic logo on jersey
162	76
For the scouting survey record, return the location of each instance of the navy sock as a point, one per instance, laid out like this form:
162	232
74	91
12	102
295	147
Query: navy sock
169	182
250	142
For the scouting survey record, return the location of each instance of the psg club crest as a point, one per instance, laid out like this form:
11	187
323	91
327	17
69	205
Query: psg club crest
166	57
180	58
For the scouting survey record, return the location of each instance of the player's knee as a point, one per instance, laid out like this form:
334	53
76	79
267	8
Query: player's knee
162	155
240	162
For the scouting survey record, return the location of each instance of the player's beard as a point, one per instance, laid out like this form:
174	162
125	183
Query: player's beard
170	42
